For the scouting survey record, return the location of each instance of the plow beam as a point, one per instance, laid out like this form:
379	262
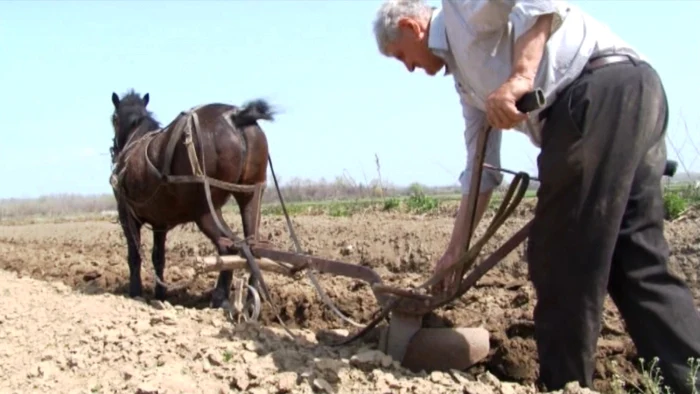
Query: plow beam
234	262
289	264
405	338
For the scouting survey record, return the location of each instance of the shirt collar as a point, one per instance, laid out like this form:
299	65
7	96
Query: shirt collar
437	37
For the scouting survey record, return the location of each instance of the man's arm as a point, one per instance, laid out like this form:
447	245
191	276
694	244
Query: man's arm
488	16
529	47
525	14
534	21
474	120
533	24
528	51
460	231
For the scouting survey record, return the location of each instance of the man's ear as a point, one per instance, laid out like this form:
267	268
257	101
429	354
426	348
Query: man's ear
408	24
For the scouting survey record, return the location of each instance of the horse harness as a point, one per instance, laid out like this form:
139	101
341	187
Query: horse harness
187	123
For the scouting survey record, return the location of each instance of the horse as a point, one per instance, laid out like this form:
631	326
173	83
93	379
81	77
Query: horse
185	172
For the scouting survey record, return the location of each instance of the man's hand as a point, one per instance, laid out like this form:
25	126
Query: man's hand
447	261
527	54
458	241
501	112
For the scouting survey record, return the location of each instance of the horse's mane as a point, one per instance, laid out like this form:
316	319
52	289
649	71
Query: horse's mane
131	111
132	105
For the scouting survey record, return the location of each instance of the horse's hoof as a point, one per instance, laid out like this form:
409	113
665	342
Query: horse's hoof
160	295
136	292
225	306
135	295
220	304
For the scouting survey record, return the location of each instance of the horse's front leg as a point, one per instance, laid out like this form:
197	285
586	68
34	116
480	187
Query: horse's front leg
132	232
158	258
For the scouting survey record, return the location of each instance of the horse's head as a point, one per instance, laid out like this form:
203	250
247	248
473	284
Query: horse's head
129	115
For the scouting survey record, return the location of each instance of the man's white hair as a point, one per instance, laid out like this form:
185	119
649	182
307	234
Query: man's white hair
386	24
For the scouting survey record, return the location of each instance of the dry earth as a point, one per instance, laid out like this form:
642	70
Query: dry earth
66	326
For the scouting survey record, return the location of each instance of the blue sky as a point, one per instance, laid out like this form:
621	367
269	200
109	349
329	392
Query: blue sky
316	60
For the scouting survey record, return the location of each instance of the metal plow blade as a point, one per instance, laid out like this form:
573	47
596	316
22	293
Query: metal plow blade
443	349
432	349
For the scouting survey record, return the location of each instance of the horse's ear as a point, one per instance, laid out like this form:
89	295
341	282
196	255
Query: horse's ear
146	97
115	100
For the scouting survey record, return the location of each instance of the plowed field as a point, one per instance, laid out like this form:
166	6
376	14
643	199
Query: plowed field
80	333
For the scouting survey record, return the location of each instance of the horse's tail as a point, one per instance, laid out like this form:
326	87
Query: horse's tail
251	112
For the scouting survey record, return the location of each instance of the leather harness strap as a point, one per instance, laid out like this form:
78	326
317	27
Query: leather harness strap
179	124
199	176
188	123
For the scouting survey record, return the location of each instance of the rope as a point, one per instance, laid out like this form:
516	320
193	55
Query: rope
309	273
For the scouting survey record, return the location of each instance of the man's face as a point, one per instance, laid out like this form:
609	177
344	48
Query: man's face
411	48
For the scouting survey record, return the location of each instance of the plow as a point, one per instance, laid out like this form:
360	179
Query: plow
407	338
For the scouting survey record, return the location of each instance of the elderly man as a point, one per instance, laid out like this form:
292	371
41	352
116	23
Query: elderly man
599	218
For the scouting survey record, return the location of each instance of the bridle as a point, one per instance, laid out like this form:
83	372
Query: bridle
113	151
116	149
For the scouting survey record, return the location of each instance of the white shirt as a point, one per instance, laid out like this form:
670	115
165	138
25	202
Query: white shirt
476	38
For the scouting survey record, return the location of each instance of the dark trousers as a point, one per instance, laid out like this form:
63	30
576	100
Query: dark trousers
599	228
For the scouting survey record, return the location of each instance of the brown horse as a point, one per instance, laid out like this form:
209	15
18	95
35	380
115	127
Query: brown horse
155	178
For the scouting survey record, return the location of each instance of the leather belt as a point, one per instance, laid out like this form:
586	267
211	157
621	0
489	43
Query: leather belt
595	63
604	60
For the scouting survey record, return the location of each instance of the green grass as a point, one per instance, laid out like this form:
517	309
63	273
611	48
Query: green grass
678	199
651	381
416	199
416	202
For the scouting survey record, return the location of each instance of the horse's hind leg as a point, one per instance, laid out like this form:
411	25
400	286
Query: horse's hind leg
208	226
158	258
249	204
